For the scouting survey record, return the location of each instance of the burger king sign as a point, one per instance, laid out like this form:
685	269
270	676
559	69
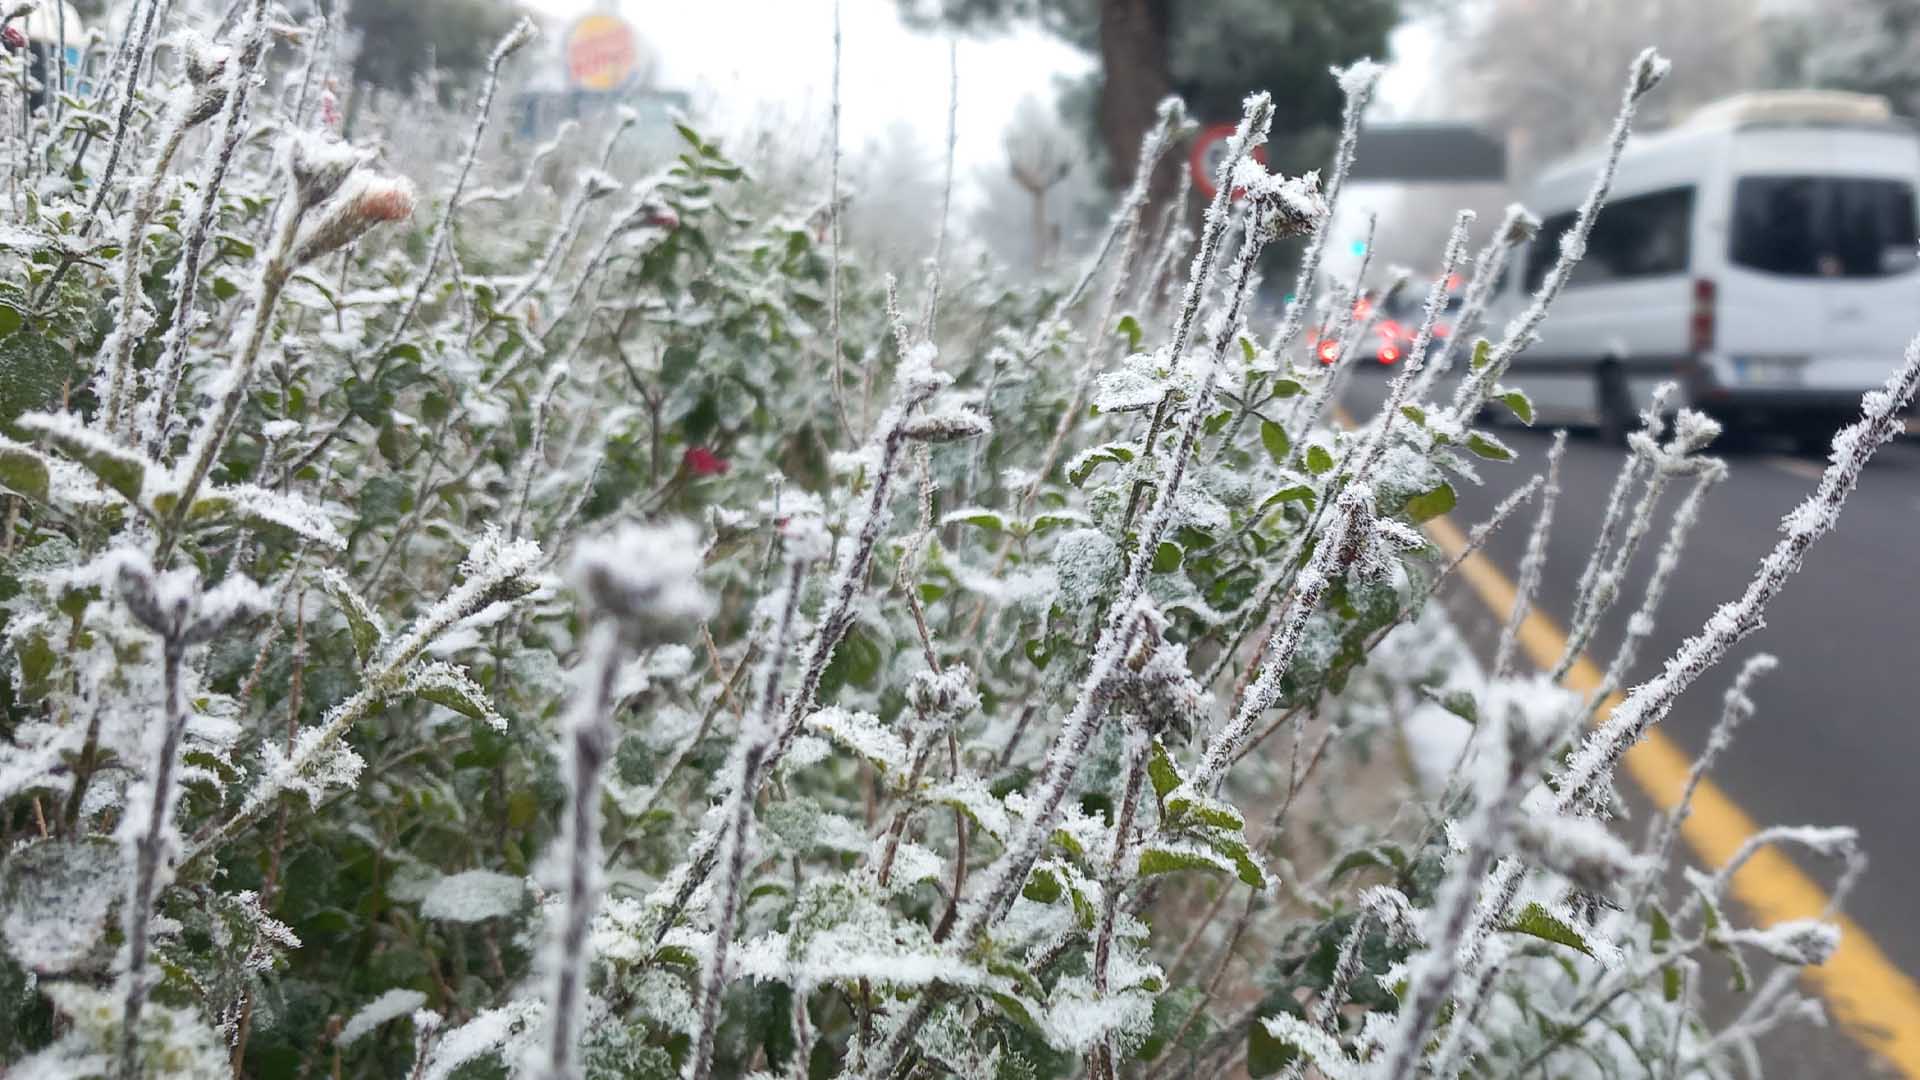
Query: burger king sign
601	52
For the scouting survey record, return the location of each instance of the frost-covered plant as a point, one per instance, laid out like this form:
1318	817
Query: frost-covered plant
972	692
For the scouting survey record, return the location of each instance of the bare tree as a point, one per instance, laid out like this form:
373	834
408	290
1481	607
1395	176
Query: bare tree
1530	64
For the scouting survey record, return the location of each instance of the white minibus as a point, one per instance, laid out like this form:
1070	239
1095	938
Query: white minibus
1762	254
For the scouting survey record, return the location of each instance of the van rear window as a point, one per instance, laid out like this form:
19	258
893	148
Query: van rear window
1824	226
1636	237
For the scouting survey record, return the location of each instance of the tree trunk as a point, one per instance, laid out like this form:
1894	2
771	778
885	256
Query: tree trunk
1133	59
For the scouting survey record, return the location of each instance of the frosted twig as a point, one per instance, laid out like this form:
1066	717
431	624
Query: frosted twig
1376	440
1645	73
833	227
946	191
1533	563
1517	228
1640	624
1653	420
1735	707
1357	84
1593	763
203	206
1256	118
756	741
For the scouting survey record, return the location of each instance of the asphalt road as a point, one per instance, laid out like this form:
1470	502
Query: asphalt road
1836	739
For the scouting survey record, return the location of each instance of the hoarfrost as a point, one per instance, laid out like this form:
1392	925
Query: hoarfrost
473	896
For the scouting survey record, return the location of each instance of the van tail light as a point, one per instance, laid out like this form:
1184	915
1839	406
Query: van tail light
1700	322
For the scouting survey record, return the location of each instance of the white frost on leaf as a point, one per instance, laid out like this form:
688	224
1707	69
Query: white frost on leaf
473	896
388	1006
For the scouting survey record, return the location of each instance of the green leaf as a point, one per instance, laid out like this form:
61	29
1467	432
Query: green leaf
1431	504
1285	388
1290	493
1130	326
123	470
1037	652
443	684
1482	353
23	472
1245	866
1246	348
1319	460
1043	886
1084	465
32	371
1274	438
1519	403
1660	928
1535	920
363	623
1161	770
1166	557
10	319
1488	447
1162	859
985	519
1218	421
1267	1055
1383	856
1414	413
1460	703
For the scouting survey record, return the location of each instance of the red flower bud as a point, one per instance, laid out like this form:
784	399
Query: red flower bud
701	461
14	37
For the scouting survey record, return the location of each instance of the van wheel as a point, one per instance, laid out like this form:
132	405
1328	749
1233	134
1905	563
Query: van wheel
1614	404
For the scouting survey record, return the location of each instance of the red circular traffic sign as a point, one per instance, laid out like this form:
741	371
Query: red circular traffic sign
1210	152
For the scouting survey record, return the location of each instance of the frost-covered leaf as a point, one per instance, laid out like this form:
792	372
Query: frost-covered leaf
1517	401
22	471
1319	459
1318	1047
980	517
1274	438
473	896
388	1006
444	684
54	898
1489	447
121	469
368	630
1535	920
862	733
1083	463
1430	504
1163	857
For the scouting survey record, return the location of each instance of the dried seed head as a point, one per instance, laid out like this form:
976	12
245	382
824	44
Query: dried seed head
365	201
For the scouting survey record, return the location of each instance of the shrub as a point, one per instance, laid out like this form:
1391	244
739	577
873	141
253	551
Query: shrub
466	630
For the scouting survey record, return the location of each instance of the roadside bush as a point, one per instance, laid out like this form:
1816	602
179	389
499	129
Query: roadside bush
591	629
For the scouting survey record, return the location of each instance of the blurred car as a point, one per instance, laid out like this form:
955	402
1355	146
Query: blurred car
1390	331
1761	254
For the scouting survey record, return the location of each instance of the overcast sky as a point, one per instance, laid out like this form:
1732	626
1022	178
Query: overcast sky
742	59
754	62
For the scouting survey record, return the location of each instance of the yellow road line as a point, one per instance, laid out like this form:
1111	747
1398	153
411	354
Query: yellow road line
1871	998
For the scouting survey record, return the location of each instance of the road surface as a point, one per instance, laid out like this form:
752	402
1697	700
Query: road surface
1836	739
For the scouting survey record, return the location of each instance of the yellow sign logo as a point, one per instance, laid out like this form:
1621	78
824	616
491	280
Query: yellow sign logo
601	52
